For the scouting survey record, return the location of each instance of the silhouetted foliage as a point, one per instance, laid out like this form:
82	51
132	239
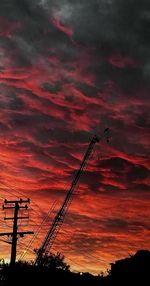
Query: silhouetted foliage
53	261
133	270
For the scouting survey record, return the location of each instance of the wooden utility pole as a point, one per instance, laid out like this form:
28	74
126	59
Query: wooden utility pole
16	205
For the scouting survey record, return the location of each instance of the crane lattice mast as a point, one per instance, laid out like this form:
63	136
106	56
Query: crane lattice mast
59	218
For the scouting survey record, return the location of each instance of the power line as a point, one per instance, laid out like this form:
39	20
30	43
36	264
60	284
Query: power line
20	193
38	230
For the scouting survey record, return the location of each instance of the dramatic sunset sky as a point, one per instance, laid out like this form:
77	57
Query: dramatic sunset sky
68	70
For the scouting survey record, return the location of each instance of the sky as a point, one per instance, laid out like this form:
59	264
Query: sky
68	70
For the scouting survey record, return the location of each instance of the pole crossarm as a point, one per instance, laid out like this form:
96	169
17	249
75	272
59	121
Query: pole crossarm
16	201
12	207
18	232
19	217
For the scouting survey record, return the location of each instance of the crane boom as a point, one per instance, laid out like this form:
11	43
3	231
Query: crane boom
58	220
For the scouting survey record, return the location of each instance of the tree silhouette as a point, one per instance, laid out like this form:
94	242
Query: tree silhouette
53	261
135	269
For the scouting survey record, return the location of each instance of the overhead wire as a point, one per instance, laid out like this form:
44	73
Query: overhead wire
39	229
20	193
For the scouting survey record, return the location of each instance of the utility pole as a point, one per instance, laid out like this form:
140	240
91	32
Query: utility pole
16	205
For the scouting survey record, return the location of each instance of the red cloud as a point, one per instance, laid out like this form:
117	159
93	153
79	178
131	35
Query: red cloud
49	112
57	23
119	61
8	28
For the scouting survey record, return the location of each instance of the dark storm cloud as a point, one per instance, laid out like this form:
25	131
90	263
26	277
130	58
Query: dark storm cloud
90	91
11	99
91	243
114	23
121	174
141	188
61	135
118	23
115	164
111	27
138	173
121	225
125	77
143	120
52	88
112	226
34	34
91	180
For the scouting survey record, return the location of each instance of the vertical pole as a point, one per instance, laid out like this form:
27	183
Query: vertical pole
14	235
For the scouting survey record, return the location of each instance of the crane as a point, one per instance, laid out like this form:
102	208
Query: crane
59	218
